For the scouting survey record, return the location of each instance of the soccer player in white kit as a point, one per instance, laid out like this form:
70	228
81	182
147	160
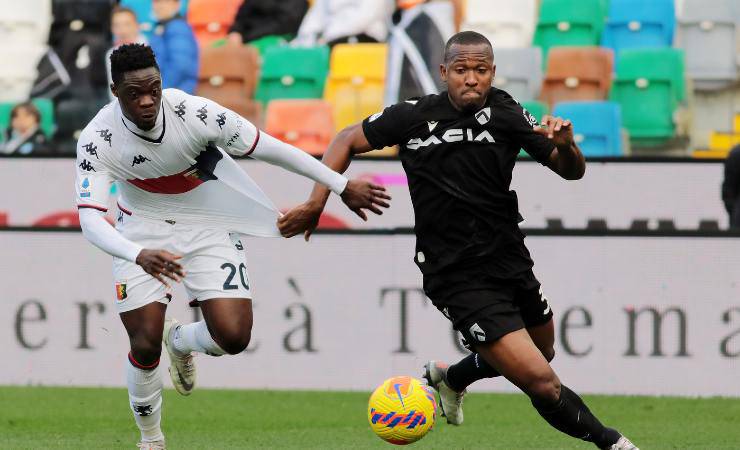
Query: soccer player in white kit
184	202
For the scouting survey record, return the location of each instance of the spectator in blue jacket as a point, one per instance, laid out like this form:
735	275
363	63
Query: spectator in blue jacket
175	46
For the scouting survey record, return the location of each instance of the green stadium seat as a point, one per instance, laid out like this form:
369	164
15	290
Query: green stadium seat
293	72
650	88
265	42
46	108
569	23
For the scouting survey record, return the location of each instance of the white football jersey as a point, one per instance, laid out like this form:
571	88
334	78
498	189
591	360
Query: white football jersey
180	170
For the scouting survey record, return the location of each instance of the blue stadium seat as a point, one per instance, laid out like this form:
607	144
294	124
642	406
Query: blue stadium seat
597	126
143	10
639	24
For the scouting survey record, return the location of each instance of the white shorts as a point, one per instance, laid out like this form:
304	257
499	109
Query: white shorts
213	259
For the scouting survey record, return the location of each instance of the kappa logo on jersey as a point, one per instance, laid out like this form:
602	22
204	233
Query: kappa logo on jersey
202	114
91	149
180	110
221	120
484	115
477	332
86	166
106	135
451	135
543	298
432	124
140	159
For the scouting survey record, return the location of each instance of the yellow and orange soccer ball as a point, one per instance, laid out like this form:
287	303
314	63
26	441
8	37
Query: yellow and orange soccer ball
402	410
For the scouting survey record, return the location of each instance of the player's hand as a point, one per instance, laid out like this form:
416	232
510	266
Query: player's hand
360	195
161	264
559	131
301	219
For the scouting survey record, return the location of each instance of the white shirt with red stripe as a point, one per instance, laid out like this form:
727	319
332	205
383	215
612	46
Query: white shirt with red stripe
181	169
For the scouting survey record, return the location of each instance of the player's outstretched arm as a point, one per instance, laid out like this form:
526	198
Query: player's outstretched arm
566	160
358	196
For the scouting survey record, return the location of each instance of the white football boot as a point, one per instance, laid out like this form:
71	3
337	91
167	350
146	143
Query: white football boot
156	445
450	400
182	368
623	444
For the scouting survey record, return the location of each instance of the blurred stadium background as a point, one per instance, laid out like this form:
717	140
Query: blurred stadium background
639	259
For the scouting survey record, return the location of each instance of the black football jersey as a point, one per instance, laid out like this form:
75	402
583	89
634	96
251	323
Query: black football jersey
459	167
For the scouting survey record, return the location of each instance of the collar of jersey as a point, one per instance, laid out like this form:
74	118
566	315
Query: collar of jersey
155	135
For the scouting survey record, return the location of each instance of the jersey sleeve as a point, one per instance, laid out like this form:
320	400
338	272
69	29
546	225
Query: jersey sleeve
93	180
388	128
227	129
524	124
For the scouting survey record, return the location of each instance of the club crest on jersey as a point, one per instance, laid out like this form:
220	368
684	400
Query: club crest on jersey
121	291
451	135
484	115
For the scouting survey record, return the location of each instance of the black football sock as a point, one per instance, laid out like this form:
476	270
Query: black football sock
469	370
571	416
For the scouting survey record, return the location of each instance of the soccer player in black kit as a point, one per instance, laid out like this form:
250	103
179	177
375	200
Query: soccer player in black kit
458	149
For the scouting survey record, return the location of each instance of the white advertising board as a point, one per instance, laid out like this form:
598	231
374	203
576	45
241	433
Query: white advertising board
618	192
634	315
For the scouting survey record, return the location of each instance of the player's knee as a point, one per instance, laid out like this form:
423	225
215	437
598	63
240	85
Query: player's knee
234	341
145	350
544	389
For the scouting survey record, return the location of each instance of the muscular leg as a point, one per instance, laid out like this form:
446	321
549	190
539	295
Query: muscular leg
226	328
473	368
517	358
144	327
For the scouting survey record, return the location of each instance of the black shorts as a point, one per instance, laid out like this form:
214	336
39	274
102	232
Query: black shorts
494	307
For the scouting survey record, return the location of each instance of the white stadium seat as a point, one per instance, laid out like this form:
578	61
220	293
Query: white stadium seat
24	23
16	79
506	23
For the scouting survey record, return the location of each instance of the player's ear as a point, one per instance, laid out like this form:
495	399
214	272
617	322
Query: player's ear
113	90
443	72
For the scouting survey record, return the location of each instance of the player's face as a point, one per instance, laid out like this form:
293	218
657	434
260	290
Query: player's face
469	75
140	96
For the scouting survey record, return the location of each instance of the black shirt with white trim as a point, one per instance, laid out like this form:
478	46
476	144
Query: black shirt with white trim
459	167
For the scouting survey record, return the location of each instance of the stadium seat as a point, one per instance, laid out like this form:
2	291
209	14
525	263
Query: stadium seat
569	23
143	10
25	23
577	73
266	42
710	24
597	126
519	72
650	87
356	81
211	19
18	73
45	107
227	72
293	72
72	115
506	23
305	123
639	24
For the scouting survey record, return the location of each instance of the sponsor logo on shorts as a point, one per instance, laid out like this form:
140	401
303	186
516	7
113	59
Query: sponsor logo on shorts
477	332
121	293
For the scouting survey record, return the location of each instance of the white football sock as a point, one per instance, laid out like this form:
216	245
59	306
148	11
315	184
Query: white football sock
195	337
145	397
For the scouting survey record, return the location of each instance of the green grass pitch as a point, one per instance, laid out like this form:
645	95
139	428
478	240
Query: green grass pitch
88	418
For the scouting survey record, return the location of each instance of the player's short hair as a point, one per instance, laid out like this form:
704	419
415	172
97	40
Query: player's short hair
129	57
465	38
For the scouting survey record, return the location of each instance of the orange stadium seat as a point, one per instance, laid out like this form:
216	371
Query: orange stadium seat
305	123
211	19
228	75
356	82
577	73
